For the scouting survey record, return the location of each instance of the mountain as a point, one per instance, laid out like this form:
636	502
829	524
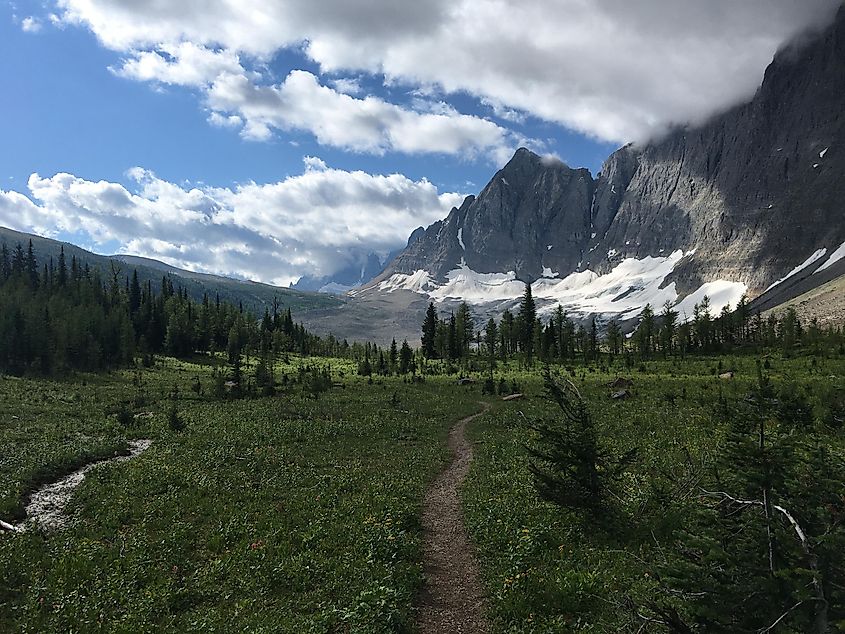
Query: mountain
737	205
358	273
533	214
347	278
253	295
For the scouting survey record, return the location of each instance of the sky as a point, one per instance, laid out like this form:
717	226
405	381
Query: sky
271	140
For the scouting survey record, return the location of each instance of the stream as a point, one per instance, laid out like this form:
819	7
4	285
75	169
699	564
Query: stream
46	507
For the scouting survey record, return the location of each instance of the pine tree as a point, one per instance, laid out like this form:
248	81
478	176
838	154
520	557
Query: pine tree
406	358
62	268
429	332
613	337
527	318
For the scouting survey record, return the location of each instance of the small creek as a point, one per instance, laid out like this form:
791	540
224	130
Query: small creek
46	507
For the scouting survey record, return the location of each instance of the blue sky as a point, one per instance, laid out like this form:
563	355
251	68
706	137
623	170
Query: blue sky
65	111
401	109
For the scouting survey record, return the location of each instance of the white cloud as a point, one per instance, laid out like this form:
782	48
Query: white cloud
223	121
313	223
334	116
31	25
183	64
614	69
367	124
346	85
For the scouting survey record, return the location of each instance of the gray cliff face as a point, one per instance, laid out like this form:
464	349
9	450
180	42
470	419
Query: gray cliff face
529	205
754	191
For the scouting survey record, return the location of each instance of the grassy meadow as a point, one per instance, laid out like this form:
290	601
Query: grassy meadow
549	570
285	513
291	513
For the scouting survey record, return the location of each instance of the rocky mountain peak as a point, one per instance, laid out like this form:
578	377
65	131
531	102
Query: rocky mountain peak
729	206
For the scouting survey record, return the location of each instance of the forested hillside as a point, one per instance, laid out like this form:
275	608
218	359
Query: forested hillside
253	296
65	314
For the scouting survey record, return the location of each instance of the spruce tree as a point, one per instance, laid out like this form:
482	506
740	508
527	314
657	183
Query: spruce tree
570	464
394	356
429	332
465	329
62	268
613	337
527	317
668	325
406	358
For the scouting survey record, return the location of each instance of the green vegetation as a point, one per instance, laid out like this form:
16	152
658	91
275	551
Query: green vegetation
686	479
288	513
63	315
254	297
671	551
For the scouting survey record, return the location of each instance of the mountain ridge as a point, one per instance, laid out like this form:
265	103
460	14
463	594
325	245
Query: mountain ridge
732	204
254	296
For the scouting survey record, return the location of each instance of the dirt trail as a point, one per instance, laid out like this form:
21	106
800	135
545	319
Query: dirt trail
452	600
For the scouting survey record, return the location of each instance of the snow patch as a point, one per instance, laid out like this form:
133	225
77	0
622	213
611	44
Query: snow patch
816	256
549	247
461	238
419	282
505	181
477	288
623	292
721	293
823	152
833	259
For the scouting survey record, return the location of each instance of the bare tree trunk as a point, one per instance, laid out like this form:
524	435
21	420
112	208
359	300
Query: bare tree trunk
767	507
822	625
10	527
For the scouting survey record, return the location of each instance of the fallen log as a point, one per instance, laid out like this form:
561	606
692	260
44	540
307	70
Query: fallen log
10	527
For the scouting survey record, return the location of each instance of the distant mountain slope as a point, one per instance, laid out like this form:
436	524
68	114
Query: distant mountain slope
721	209
253	295
825	303
755	191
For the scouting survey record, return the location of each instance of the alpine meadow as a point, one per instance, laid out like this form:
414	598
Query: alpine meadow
292	375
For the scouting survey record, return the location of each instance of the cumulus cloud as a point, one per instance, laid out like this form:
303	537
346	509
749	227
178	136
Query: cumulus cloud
184	64
314	223
334	115
31	25
367	124
347	85
613	69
